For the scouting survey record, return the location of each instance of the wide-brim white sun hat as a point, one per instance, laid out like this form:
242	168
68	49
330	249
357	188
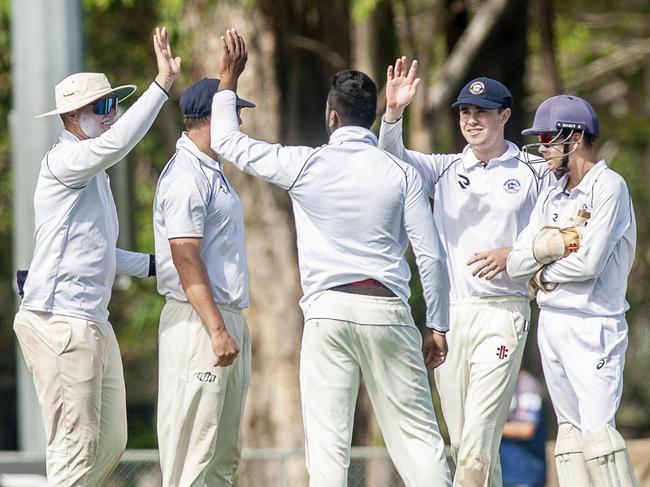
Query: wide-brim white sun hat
80	89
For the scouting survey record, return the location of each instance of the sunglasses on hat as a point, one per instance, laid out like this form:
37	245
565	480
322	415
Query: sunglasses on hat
103	106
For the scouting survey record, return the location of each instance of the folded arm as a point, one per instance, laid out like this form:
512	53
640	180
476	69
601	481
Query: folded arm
611	217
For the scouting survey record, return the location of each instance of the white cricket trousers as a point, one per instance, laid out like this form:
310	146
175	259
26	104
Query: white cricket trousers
583	357
77	371
200	406
486	342
346	336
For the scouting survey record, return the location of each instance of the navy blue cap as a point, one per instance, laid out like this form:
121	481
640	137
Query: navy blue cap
564	112
196	101
484	93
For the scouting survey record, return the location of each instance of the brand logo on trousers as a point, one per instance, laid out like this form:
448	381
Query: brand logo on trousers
502	352
206	377
600	364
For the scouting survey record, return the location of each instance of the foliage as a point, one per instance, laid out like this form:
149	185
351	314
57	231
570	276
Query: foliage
118	42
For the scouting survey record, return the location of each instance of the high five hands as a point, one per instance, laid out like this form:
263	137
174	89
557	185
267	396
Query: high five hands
233	59
401	87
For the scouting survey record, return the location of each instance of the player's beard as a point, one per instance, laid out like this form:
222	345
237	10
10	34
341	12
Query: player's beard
91	125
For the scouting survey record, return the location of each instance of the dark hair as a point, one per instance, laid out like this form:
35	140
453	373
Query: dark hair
195	122
354	97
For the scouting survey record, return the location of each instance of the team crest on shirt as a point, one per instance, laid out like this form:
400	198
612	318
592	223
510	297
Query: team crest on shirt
477	88
512	186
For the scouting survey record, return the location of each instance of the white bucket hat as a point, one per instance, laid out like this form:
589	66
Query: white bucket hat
80	89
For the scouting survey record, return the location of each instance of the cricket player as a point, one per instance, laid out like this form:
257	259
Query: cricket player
578	250
356	208
204	345
62	325
482	200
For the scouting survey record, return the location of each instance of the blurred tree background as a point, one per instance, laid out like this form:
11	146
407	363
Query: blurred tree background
597	49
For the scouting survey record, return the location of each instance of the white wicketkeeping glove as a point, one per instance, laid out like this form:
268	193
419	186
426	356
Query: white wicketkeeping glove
537	283
553	243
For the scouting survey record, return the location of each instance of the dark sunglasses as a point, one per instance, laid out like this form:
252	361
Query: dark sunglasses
546	138
103	106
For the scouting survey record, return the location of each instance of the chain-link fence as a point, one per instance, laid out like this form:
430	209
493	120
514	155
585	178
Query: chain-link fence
369	467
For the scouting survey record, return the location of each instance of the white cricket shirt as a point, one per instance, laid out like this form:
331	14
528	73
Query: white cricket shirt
194	199
592	280
355	208
477	207
75	256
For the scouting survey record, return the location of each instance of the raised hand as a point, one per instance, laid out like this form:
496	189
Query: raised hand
233	59
169	67
401	87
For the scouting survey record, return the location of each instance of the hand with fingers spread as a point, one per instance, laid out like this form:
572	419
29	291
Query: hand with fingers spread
434	349
490	262
225	348
169	67
233	59
401	86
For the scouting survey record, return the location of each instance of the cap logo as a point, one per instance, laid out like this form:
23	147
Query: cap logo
477	88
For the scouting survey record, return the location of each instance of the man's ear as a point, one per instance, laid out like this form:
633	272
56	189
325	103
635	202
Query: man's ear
505	115
333	120
72	116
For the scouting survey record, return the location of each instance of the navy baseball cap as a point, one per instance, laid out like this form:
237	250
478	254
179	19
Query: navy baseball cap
484	93
564	112
196	101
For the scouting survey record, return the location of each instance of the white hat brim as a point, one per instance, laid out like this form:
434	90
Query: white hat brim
122	93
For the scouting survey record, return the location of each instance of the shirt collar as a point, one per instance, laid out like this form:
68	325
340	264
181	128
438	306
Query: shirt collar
67	135
186	143
587	181
351	133
470	160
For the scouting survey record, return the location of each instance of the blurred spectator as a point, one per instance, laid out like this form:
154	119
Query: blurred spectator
523	453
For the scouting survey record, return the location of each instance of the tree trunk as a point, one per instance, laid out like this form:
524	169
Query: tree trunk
545	13
501	55
272	416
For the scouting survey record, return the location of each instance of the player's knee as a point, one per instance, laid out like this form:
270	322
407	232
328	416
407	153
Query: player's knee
607	458
569	458
473	468
569	440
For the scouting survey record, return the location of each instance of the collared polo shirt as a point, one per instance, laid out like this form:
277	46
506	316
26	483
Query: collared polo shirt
478	206
592	280
194	199
355	208
76	228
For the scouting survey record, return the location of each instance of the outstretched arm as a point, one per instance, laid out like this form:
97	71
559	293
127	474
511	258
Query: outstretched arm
75	164
272	162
